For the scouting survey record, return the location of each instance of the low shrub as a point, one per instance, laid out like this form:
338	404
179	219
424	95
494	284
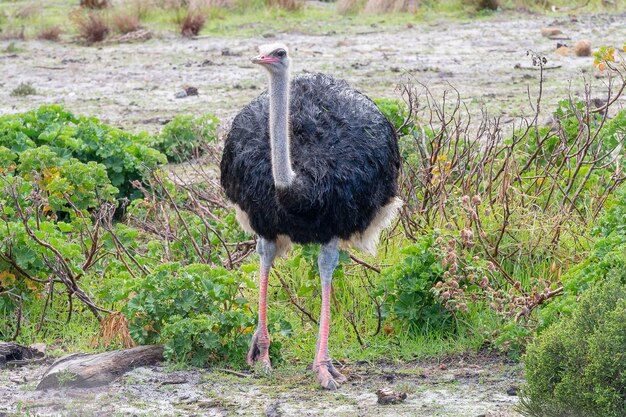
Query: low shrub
408	288
127	157
186	137
196	311
577	367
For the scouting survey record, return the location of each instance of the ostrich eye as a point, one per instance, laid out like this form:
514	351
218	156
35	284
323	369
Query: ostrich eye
281	53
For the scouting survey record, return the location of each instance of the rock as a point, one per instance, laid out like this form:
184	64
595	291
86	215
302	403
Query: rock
273	410
191	91
582	48
551	31
181	94
389	396
562	51
228	52
512	391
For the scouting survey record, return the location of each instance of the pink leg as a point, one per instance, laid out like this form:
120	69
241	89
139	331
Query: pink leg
260	344
327	375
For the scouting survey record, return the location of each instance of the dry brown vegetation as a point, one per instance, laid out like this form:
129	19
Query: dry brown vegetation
125	22
192	23
13	33
386	6
94	4
92	27
345	7
51	33
290	5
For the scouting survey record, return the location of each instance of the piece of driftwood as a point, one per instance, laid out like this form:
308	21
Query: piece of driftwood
81	370
12	352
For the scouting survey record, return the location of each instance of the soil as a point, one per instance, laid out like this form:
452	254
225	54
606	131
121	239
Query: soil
135	85
453	387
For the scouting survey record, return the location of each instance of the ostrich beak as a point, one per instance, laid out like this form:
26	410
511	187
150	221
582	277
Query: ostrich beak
264	59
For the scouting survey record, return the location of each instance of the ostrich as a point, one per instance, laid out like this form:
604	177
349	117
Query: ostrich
309	161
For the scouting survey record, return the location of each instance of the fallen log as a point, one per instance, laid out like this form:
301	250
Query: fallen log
81	370
13	353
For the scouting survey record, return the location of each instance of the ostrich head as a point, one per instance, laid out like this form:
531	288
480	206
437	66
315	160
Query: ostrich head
274	58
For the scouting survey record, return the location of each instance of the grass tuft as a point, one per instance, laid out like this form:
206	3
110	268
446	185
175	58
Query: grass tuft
125	22
51	33
92	27
289	5
94	4
23	89
192	23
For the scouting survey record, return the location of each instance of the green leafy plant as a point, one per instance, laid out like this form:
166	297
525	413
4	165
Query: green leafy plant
197	311
127	157
576	367
185	137
408	286
396	112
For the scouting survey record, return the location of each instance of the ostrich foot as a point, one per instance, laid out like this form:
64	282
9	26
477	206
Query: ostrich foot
328	376
259	351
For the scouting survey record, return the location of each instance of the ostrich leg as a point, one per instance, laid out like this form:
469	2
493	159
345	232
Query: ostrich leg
259	347
327	375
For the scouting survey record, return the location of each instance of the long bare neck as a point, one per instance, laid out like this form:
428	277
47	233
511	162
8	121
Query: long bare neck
279	130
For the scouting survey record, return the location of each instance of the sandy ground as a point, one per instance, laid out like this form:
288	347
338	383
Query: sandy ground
134	85
452	387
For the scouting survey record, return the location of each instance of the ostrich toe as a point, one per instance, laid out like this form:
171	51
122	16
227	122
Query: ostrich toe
259	352
329	377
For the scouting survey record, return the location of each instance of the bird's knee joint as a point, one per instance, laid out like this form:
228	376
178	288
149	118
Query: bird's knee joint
266	250
328	260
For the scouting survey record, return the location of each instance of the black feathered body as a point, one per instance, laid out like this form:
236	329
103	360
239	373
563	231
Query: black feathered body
344	154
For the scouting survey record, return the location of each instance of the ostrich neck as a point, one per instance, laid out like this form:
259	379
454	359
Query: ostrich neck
279	130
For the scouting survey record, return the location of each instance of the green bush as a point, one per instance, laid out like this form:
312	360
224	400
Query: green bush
183	138
197	311
127	157
396	112
577	367
409	289
607	259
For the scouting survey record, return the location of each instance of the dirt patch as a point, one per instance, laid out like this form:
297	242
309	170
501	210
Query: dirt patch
135	85
463	387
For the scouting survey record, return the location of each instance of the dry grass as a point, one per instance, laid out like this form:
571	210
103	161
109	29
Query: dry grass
92	27
345	7
388	6
192	23
290	5
125	22
13	33
26	12
94	4
141	8
51	33
113	328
